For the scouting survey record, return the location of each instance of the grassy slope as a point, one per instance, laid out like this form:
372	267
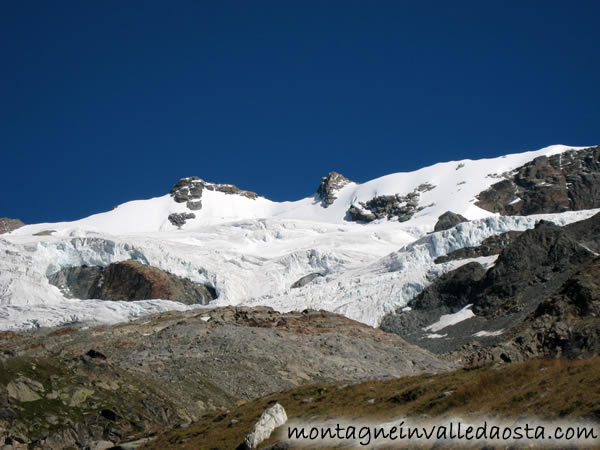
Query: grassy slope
541	389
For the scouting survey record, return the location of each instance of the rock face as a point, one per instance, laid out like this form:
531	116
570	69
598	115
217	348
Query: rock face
130	280
565	182
445	296
448	220
489	247
270	419
565	325
401	207
7	225
541	297
329	186
169	369
77	282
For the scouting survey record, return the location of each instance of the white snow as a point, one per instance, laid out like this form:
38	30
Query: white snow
488	333
451	319
252	251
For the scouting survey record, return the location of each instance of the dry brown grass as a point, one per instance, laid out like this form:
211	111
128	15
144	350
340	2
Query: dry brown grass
540	389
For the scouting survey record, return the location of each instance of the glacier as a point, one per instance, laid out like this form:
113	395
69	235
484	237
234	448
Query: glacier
253	250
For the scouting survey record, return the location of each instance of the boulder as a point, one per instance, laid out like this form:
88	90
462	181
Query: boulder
24	389
271	418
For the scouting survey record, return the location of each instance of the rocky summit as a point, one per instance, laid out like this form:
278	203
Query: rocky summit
329	186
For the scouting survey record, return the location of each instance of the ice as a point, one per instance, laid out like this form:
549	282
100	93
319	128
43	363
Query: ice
252	251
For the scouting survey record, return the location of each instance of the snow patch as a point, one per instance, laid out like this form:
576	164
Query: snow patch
488	333
451	319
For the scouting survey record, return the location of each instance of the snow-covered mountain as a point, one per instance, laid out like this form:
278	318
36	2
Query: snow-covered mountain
372	244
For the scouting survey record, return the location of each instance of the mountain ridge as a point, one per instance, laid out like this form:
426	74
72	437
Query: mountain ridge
257	252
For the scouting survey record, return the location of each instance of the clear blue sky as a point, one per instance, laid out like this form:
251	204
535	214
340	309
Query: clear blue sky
105	102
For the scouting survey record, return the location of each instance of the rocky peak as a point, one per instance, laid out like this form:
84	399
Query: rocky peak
329	186
7	225
189	191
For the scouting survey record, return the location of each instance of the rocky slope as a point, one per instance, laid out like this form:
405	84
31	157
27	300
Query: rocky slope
541	296
76	387
568	181
488	247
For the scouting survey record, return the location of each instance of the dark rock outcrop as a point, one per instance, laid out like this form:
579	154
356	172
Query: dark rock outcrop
130	280
568	181
565	325
189	190
329	186
489	247
44	233
76	282
451	289
447	295
401	207
7	225
179	219
448	220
